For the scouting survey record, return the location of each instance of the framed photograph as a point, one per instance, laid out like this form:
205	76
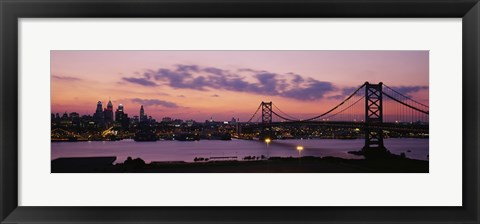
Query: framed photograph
245	112
187	120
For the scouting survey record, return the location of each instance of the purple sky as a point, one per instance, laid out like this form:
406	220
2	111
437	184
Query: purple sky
224	84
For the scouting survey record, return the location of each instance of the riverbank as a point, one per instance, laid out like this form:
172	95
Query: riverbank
393	164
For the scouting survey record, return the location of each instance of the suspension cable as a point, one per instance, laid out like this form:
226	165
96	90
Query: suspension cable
345	100
254	113
285	113
411	107
346	107
280	116
405	96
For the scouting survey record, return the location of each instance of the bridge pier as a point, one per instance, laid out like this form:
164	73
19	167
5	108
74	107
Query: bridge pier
373	119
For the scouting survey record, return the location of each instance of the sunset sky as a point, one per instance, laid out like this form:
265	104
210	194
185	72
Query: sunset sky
201	85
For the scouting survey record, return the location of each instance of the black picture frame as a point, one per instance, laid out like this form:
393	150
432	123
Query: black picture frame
12	10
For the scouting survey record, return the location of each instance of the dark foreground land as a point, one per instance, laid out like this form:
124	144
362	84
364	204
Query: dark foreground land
393	164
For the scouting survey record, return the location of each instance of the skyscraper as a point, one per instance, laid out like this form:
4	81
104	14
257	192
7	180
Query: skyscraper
75	117
98	115
109	113
121	117
143	116
119	113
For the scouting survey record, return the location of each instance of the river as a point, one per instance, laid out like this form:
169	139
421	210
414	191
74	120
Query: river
187	151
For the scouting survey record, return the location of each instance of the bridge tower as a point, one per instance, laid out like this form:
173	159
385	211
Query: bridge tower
266	121
266	112
373	119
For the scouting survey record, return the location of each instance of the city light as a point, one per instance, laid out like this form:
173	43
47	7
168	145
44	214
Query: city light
267	140
299	149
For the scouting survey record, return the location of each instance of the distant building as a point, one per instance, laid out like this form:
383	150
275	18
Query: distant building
119	113
143	116
121	117
190	122
98	116
65	116
151	120
178	121
87	121
75	118
135	119
167	119
108	113
65	120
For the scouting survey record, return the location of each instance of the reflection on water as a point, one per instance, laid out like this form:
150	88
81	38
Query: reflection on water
187	151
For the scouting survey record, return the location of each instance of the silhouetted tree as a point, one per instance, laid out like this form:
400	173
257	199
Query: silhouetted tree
134	163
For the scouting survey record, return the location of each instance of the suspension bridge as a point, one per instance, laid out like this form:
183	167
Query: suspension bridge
373	108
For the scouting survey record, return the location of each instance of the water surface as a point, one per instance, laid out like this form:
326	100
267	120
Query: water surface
187	151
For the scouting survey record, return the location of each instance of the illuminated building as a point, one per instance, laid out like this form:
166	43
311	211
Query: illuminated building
98	115
119	113
121	117
108	113
143	116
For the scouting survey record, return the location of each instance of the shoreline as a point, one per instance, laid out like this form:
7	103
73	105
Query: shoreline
308	164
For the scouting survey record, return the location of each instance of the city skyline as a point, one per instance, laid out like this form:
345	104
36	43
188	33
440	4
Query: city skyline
200	85
142	113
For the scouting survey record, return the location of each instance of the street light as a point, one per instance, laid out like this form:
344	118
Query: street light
267	140
300	149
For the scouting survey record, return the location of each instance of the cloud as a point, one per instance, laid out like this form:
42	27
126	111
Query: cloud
314	90
179	79
188	68
407	90
297	79
65	78
140	81
268	82
289	85
345	92
155	102
215	95
215	71
246	80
